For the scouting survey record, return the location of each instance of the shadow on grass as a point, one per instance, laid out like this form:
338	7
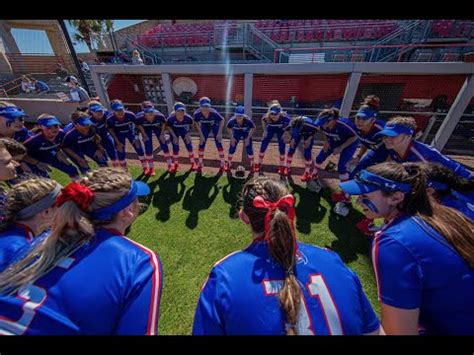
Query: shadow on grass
350	241
231	193
308	209
171	190
200	197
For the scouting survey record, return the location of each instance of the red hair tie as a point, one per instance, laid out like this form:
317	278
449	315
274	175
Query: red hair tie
81	195
286	201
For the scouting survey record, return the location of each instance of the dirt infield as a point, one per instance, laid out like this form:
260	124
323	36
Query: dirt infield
270	163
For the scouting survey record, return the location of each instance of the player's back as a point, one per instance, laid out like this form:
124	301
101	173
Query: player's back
241	295
89	292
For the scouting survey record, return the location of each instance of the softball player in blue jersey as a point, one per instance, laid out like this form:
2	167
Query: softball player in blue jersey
180	125
340	137
83	141
301	128
121	125
151	122
12	122
86	277
240	127
209	120
448	189
423	256
44	149
274	122
29	210
277	285
98	115
402	147
372	150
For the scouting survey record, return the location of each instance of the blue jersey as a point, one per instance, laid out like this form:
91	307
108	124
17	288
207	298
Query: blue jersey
214	117
276	126
101	124
240	296
240	130
180	127
342	131
418	151
42	149
22	135
415	267
460	202
110	286
68	127
368	140
307	130
12	241
124	126
79	143
157	123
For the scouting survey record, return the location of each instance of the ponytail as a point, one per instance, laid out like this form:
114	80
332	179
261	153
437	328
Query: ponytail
282	248
371	101
269	207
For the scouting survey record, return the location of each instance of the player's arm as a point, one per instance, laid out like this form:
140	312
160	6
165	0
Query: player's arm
399	283
264	127
142	131
221	128
436	157
208	318
142	300
398	321
197	127
344	145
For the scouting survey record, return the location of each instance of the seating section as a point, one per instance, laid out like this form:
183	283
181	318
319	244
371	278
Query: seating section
285	31
451	29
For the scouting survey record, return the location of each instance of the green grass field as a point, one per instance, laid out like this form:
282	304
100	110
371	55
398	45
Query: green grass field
191	224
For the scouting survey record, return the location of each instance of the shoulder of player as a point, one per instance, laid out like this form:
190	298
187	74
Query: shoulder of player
130	249
33	138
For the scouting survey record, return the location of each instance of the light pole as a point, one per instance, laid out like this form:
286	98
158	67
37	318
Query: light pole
74	56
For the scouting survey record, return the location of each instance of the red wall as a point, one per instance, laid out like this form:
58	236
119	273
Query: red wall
215	86
122	87
421	86
304	87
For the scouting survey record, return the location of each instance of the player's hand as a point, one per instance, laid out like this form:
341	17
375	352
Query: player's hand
187	139
292	143
306	143
145	138
83	163
233	141
43	167
175	140
25	168
119	146
201	140
337	150
247	141
326	146
354	161
99	154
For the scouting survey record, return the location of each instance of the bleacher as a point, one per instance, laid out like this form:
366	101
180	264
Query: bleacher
451	29
305	31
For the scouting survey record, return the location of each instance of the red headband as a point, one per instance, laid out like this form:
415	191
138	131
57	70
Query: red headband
81	195
286	201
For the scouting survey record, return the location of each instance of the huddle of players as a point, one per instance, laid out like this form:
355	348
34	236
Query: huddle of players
62	281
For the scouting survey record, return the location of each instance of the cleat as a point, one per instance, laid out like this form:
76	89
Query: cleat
226	167
341	209
152	172
306	177
282	171
340	197
367	226
194	167
256	168
146	171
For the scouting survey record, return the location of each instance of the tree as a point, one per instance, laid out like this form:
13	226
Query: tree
90	30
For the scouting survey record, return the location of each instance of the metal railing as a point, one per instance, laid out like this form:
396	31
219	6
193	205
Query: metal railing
400	49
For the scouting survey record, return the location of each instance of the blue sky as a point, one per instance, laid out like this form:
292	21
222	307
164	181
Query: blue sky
37	42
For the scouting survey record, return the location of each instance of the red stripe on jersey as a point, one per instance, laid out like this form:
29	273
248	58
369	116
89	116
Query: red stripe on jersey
152	327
